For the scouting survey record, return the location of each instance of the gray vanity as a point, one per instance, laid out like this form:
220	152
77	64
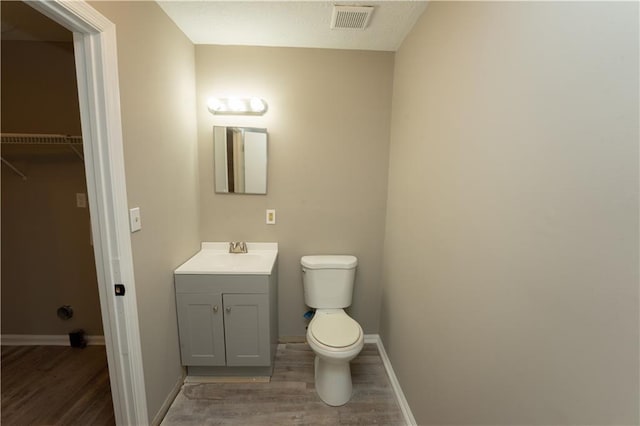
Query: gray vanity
227	308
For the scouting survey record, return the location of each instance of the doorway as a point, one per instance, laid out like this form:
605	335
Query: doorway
97	74
50	286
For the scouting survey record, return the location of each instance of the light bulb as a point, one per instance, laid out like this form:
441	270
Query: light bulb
257	105
214	104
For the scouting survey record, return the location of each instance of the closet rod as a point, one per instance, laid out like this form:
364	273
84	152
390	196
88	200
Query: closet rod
39	139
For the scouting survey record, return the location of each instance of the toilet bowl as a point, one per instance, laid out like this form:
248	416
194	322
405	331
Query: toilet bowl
336	339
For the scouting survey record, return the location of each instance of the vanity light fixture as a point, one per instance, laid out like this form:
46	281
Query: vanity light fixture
237	106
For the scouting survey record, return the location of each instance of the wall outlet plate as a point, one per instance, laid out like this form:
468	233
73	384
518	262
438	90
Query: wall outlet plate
271	217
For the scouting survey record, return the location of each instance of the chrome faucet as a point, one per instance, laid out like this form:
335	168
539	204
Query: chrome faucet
237	247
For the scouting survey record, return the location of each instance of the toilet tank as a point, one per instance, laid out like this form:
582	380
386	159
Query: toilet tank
328	280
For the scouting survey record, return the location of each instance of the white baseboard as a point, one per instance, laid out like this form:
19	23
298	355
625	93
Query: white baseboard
44	340
157	419
402	401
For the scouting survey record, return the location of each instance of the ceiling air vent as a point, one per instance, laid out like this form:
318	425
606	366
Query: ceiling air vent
351	17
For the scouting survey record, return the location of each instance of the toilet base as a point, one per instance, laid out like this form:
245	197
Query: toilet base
333	381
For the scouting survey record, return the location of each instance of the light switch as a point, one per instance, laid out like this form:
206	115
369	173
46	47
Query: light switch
134	219
271	217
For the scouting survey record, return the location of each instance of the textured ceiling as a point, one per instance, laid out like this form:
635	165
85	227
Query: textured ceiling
291	23
257	23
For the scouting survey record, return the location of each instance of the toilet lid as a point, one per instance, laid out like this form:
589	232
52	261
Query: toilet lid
337	331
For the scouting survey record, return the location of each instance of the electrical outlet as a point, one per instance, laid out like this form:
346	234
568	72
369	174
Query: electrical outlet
271	217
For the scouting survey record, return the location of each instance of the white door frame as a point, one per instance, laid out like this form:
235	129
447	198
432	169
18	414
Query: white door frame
94	39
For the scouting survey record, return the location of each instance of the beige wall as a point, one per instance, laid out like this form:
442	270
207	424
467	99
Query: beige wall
510	289
157	92
328	124
47	258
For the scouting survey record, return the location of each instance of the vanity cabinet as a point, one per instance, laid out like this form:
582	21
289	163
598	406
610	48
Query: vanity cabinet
227	323
224	329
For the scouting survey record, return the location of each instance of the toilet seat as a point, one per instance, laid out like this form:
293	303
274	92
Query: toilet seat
335	329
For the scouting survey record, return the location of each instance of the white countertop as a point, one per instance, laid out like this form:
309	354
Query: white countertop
214	258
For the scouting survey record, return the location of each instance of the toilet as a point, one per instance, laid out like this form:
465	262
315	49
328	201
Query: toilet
334	336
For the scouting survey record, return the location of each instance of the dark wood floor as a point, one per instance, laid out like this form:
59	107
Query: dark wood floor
290	398
55	385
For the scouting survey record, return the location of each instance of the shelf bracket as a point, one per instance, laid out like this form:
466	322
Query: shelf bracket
78	153
12	167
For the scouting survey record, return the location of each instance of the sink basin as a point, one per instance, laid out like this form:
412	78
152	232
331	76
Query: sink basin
214	258
237	261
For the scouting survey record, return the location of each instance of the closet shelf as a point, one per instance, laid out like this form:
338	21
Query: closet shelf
39	139
73	142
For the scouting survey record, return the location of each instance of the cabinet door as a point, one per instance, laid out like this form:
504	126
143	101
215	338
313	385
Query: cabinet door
201	327
246	325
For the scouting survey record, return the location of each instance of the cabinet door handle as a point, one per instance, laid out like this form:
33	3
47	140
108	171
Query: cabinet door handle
228	309
215	308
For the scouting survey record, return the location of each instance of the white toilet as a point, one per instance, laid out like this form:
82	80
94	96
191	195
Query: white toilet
333	335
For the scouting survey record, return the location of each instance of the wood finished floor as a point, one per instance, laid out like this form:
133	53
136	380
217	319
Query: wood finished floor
290	398
55	385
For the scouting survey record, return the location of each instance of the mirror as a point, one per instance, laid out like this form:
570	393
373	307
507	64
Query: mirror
240	160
